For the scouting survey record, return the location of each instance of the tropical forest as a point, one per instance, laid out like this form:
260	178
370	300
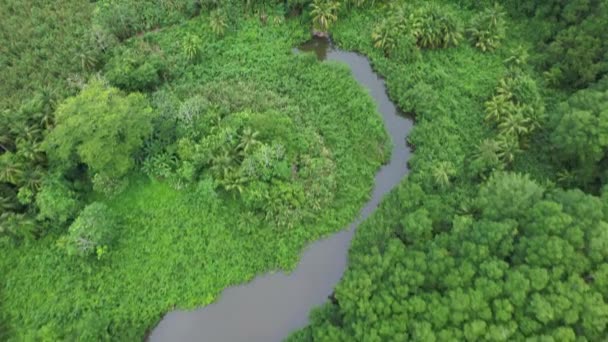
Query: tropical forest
304	170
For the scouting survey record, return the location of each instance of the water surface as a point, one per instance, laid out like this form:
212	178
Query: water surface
273	305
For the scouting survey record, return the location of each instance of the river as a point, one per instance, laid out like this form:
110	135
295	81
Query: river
271	306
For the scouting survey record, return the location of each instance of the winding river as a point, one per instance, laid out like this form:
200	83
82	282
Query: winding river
273	305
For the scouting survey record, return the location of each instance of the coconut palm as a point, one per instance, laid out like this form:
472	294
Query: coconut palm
31	151
324	13
509	148
192	46
514	124
442	172
248	140
234	182
498	107
11	169
222	163
218	22
487	152
519	56
434	28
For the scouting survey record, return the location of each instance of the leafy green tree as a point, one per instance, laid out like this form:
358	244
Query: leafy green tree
56	202
496	196
525	267
139	69
100	127
581	132
92	230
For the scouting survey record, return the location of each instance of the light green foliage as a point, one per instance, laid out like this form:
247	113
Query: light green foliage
92	231
394	36
405	28
100	127
516	110
487	29
324	14
218	22
282	171
191	46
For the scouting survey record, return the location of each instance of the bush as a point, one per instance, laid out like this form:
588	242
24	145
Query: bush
92	231
56	202
435	27
138	69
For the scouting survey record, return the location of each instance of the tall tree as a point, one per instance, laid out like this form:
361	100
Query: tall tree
100	127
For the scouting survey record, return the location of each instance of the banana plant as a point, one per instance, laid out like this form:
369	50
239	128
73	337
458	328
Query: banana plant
324	13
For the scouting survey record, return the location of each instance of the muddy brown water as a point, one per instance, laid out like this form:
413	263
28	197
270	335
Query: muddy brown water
273	305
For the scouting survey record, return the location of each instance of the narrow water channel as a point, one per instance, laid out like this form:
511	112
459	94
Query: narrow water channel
273	305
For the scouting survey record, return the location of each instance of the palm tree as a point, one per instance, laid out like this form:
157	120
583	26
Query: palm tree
7	203
192	46
519	56
509	148
29	150
442	172
248	140
498	107
6	141
514	124
32	178
234	182
222	163
218	22
487	152
566	177
324	13
11	169
25	131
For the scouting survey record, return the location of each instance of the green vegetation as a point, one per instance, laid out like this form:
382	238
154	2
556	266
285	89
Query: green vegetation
143	142
189	142
481	242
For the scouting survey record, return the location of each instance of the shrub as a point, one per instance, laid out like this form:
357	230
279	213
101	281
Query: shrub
56	202
92	231
435	27
138	69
